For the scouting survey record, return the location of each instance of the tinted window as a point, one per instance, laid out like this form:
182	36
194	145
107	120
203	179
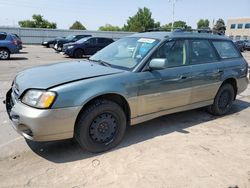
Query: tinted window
202	52
3	36
232	26
175	52
226	49
92	41
240	26
104	41
101	40
247	26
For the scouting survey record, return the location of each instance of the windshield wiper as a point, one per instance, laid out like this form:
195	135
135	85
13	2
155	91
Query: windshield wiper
101	62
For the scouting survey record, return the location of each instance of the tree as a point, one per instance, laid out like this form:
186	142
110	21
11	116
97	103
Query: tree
203	23
109	27
78	25
177	24
141	21
219	27
37	22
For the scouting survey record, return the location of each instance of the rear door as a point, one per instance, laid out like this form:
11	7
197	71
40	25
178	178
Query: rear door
207	70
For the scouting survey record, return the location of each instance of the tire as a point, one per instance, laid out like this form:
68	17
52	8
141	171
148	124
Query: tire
4	54
101	126
78	53
223	100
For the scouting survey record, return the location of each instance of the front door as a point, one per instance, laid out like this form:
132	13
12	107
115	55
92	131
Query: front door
90	49
168	88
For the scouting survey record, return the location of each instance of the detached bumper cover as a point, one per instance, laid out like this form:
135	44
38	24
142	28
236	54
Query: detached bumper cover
41	124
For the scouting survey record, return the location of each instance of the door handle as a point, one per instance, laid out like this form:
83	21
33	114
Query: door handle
218	72
182	77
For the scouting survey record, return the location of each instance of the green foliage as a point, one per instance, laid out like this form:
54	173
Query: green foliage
203	23
37	22
219	27
109	27
141	21
78	26
177	24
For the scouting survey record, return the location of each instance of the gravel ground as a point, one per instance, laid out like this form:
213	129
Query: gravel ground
187	149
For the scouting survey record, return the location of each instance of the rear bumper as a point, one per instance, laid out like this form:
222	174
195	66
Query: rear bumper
15	50
41	124
242	84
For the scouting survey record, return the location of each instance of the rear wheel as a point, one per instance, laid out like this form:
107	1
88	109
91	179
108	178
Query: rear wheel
78	53
101	126
4	54
223	101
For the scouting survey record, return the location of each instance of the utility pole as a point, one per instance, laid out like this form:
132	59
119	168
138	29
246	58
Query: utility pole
173	14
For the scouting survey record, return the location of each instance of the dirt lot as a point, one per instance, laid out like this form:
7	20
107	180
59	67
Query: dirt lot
188	149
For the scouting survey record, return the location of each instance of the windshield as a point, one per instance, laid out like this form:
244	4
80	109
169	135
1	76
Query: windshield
70	37
125	53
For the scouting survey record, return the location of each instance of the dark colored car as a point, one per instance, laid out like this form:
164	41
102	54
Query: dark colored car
247	44
51	43
240	45
86	46
71	38
9	44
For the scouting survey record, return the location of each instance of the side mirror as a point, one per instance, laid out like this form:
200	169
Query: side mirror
158	64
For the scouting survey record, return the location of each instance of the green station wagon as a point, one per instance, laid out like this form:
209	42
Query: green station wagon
135	79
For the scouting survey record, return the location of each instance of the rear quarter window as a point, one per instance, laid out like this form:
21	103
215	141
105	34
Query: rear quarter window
3	37
226	49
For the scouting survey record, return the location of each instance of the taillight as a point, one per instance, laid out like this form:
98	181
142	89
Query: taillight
14	42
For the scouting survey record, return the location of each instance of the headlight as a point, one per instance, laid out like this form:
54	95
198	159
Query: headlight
39	98
45	42
69	47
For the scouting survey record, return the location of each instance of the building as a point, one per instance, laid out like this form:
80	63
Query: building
238	28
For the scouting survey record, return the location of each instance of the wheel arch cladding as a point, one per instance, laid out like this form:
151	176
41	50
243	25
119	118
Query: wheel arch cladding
117	98
233	82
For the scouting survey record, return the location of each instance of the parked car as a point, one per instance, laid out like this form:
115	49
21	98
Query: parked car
51	43
19	41
71	38
86	46
8	45
240	45
247	44
132	80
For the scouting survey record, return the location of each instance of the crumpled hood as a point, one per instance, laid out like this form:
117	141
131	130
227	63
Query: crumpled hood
47	76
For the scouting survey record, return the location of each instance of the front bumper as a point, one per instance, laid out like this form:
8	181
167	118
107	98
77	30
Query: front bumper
41	124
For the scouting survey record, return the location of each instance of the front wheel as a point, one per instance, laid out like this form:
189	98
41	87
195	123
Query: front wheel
4	54
223	100
78	53
101	126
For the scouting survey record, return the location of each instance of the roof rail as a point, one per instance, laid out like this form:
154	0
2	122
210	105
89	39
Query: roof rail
180	29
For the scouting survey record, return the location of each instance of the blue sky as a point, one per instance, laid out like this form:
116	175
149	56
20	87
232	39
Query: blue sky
95	13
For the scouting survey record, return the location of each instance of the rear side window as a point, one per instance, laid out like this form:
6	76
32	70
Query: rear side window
104	41
202	52
3	36
226	49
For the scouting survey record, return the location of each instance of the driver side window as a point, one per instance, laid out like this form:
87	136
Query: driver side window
175	52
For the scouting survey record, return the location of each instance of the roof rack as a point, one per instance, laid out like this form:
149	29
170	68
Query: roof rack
180	29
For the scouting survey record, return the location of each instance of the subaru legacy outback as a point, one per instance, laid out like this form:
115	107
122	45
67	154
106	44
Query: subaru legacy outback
135	79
